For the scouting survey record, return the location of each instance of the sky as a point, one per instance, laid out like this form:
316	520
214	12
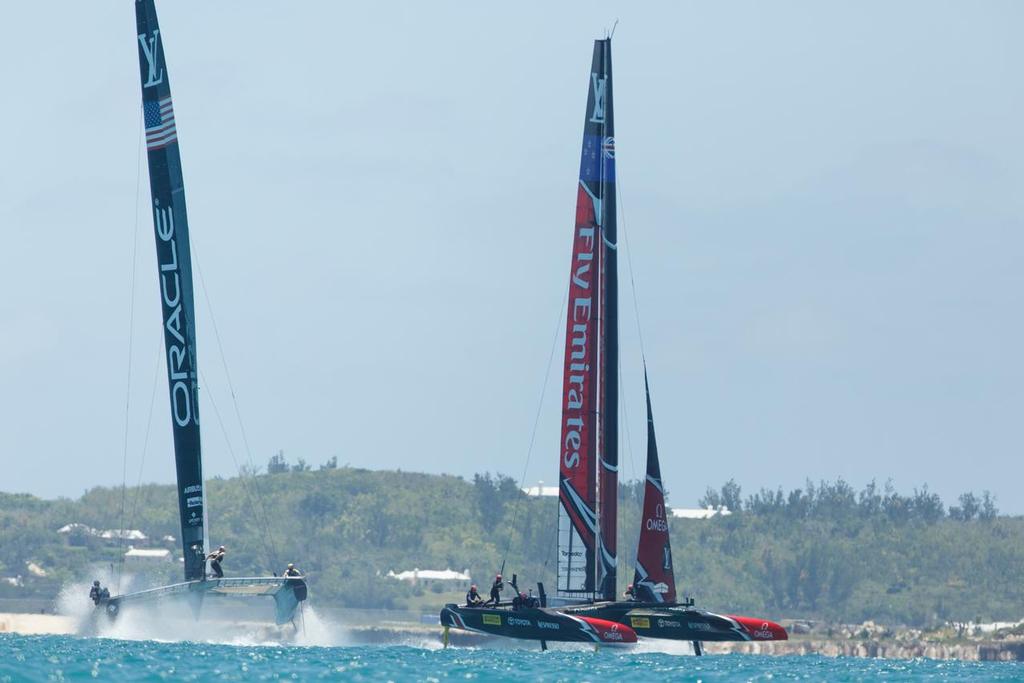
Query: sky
821	203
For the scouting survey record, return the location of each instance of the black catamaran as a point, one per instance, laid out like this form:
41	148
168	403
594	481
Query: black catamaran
588	451
176	293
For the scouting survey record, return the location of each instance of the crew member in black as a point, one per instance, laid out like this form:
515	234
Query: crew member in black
629	593
96	592
473	598
495	592
520	602
215	559
291	571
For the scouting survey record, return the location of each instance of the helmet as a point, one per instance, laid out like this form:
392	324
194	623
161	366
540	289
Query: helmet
220	548
522	595
497	577
629	587
291	566
96	582
473	587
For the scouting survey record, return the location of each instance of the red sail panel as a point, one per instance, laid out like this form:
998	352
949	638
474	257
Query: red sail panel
577	490
654	580
589	434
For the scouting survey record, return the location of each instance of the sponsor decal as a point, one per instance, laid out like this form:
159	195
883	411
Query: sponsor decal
548	625
194	502
699	626
613	634
668	623
764	633
178	356
600	86
640	622
516	621
194	488
149	51
492	619
656	525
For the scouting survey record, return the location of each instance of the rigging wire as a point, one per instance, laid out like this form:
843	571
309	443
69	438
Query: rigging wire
264	537
536	423
131	344
145	440
639	333
265	522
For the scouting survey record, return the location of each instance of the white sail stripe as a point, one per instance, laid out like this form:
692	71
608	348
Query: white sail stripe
170	135
656	483
585	513
161	135
161	143
160	132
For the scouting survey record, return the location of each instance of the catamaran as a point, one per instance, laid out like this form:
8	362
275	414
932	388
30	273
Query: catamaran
586	563
176	292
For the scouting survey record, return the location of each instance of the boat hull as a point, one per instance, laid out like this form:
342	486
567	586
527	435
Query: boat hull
681	622
537	624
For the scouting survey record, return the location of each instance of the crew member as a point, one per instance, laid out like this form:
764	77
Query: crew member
495	592
473	598
291	571
629	593
96	593
520	602
215	559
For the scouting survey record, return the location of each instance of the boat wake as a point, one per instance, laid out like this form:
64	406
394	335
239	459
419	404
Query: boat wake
221	621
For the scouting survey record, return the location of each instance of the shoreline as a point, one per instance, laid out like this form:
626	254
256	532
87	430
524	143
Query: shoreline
401	633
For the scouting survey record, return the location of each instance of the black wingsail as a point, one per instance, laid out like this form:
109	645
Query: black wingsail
654	579
603	121
175	274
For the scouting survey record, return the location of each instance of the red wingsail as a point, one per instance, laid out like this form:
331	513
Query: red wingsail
588	459
654	580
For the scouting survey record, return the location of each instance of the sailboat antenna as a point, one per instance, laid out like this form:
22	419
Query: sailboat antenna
611	33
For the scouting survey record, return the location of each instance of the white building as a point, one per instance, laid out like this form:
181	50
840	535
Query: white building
441	576
147	556
699	513
541	490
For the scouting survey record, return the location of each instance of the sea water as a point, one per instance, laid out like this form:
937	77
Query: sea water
64	658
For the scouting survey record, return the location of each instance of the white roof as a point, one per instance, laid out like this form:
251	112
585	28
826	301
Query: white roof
700	513
127	534
35	569
149	553
68	528
540	490
430	575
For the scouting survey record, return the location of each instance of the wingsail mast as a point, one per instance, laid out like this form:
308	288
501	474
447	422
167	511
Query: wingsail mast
654	579
175	275
588	490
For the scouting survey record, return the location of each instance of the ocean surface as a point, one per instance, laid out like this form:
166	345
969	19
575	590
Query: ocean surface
57	658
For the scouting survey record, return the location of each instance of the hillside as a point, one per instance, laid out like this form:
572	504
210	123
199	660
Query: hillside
823	552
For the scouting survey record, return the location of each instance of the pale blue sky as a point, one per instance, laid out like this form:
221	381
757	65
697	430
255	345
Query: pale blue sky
823	202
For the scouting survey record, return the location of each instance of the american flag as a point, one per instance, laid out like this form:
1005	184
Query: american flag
160	130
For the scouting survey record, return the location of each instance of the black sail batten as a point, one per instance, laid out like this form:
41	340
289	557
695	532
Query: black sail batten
175	277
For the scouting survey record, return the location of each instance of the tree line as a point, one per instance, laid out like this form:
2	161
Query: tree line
821	551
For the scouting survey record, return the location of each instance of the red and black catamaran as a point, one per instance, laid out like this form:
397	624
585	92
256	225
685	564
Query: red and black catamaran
586	567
